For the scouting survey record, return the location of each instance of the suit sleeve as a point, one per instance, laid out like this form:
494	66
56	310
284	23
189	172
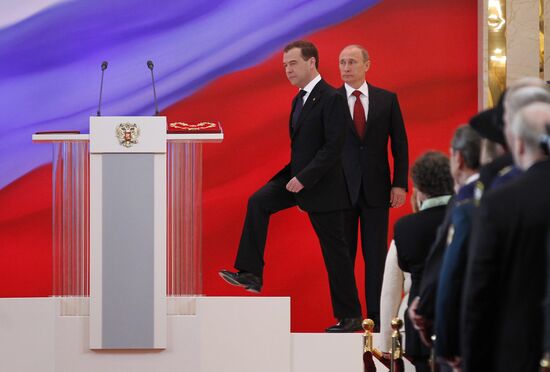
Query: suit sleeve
399	146
330	153
449	290
428	287
283	174
480	292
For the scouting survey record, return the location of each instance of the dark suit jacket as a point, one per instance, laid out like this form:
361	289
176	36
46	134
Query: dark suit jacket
430	278
490	171
316	151
449	291
366	162
504	287
413	235
547	300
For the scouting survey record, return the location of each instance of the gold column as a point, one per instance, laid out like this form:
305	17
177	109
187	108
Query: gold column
511	43
522	39
482	59
541	38
497	58
546	40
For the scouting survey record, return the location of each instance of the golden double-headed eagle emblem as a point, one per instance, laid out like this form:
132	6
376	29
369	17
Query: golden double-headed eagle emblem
127	134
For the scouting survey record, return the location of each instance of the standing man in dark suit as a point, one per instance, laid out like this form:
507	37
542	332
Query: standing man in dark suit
415	233
313	180
465	162
372	119
504	283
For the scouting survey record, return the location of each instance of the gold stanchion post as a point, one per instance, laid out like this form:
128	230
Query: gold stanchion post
368	349
396	347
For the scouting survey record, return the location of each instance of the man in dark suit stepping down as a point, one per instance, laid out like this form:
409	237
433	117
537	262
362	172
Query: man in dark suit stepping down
373	118
313	180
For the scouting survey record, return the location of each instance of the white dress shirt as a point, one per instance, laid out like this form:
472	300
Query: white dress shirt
364	89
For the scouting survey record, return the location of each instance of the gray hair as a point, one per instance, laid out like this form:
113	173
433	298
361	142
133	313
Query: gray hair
523	96
468	143
529	124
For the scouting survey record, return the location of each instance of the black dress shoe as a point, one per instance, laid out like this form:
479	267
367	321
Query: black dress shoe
346	325
248	281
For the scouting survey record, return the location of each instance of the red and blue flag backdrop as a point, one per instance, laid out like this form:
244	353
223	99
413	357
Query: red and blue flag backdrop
217	60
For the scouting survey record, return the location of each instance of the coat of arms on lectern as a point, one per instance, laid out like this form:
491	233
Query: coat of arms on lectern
127	134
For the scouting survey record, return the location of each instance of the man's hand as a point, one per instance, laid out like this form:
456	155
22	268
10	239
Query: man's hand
455	363
397	197
416	319
420	323
294	185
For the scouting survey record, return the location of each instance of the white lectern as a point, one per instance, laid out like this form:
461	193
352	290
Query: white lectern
128	232
127	226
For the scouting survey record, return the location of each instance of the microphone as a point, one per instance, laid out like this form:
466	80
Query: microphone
150	66
103	68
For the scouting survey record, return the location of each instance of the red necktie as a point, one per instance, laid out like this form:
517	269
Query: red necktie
359	115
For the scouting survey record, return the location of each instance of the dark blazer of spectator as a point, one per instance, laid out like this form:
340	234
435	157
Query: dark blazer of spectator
430	279
414	234
505	280
449	290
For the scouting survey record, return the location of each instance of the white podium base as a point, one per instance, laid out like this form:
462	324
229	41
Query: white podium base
230	334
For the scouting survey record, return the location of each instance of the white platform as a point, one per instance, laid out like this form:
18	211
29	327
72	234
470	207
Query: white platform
171	137
240	334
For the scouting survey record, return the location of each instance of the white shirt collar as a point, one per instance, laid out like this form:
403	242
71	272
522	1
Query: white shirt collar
472	178
435	202
309	87
364	88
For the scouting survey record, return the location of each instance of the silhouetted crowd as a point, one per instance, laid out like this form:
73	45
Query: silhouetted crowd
478	256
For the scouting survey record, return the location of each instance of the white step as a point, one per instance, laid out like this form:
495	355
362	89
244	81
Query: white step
230	334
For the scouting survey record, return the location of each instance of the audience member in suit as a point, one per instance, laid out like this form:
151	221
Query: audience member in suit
313	180
496	172
396	287
465	160
421	311
415	233
504	284
499	168
373	119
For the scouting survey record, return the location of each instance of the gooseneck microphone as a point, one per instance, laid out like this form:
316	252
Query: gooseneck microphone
103	68
150	66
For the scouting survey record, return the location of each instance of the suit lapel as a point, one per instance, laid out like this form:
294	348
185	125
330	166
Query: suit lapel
349	121
290	119
312	100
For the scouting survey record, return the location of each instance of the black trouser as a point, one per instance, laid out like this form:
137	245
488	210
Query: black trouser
373	223
329	227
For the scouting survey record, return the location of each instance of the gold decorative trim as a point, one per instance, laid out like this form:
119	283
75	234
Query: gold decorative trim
192	127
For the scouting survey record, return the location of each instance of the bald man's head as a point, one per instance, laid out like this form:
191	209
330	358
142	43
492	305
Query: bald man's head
528	127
